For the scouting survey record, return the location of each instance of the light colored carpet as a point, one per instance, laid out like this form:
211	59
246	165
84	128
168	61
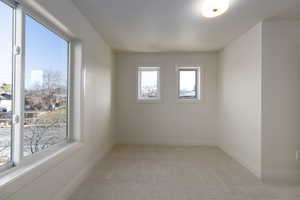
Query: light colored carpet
132	172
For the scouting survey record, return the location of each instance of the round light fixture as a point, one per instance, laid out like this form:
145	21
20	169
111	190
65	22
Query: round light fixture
214	8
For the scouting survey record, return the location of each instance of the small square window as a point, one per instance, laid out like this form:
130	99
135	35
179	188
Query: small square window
148	83
189	83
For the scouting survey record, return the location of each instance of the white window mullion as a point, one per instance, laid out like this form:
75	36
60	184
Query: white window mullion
18	118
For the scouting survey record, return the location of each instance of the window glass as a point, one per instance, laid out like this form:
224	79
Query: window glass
46	88
148	88
6	44
188	84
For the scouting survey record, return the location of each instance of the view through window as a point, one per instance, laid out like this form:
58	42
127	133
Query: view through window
188	83
148	83
6	46
46	88
45	70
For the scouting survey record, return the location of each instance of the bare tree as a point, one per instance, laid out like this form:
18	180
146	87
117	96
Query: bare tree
45	126
45	131
52	80
5	87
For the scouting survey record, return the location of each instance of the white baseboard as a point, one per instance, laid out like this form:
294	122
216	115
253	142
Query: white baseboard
175	141
281	176
244	163
68	190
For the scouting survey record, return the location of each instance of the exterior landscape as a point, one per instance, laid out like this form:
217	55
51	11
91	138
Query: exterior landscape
5	122
45	116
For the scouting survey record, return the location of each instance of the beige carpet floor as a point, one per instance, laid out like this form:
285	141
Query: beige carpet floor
132	172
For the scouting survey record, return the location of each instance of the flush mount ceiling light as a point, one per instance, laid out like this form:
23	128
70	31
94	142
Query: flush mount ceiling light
214	8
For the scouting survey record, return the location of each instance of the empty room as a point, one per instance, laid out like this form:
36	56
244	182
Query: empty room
149	100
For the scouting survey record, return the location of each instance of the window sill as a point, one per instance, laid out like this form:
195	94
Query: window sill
17	177
149	101
188	101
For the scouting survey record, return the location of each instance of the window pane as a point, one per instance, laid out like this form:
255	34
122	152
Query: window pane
149	84
46	88
6	43
188	84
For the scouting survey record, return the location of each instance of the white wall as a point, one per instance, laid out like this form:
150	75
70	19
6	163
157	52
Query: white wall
98	118
167	122
281	98
239	93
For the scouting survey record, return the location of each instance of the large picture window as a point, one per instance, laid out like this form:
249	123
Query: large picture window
46	88
6	82
34	85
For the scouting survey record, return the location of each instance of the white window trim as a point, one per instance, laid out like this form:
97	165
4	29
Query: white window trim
76	82
199	84
11	3
138	84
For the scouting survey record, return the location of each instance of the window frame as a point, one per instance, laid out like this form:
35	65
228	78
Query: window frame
17	155
198	84
42	21
140	69
11	3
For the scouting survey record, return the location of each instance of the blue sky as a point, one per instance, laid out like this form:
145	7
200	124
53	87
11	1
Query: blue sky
5	43
44	50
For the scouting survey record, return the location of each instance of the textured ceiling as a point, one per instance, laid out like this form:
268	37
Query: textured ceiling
174	25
